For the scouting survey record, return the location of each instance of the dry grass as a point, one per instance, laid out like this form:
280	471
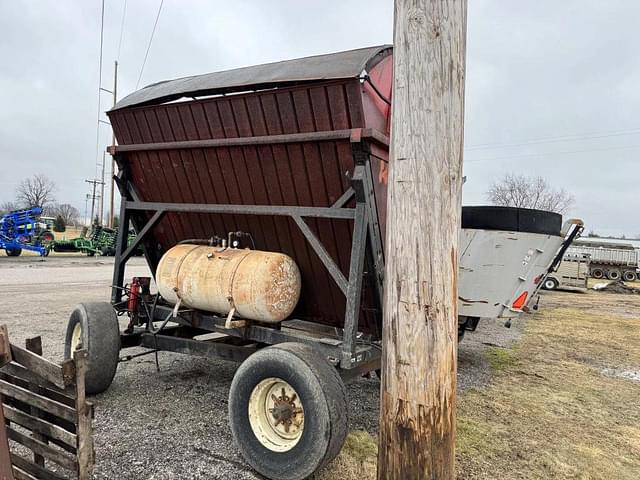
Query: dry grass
551	412
357	460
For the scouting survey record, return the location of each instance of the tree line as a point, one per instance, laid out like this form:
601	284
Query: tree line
39	191
529	192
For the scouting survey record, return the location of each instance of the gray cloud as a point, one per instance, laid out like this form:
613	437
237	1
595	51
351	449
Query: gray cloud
535	70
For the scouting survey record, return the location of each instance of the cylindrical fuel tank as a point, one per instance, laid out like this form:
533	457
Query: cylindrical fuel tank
262	286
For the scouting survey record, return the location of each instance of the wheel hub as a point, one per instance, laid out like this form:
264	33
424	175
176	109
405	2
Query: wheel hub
276	414
285	410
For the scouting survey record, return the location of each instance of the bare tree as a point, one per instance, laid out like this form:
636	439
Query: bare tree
69	213
529	192
36	191
7	207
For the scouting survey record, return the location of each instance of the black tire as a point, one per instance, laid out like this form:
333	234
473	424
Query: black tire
15	252
101	338
597	273
629	276
46	237
613	274
461	333
322	395
550	283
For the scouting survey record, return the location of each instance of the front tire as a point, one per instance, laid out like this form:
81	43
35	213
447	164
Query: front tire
94	327
288	411
13	252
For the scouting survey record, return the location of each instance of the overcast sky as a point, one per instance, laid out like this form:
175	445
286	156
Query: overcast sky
559	79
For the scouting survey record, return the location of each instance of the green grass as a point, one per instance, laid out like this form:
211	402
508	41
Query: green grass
500	358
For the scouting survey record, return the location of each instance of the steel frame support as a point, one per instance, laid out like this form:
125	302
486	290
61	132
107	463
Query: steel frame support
330	346
366	244
197	348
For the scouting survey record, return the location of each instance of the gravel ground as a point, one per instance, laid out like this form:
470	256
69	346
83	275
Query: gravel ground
173	423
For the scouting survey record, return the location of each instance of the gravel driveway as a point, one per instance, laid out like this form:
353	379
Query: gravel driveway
172	423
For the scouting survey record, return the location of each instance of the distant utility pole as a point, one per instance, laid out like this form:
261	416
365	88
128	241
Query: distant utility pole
418	392
113	144
114	93
93	197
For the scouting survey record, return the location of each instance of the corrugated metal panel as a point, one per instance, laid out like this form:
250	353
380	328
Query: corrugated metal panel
333	66
304	174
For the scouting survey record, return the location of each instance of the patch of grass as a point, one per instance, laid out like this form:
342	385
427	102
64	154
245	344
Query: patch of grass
500	358
362	446
550	412
357	460
472	436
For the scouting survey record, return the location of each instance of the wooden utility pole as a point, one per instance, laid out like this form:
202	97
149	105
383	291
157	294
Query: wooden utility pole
418	393
93	197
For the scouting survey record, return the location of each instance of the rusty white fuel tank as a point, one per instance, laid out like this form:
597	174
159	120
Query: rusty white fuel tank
262	286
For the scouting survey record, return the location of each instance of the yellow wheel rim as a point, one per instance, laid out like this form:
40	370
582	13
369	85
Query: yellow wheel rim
76	338
276	414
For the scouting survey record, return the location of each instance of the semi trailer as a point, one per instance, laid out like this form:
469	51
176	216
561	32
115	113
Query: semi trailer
259	198
614	261
573	272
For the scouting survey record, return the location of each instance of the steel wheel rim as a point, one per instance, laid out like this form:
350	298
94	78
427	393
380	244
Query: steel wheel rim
276	414
549	284
76	337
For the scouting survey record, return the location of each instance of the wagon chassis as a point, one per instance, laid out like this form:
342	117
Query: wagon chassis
348	349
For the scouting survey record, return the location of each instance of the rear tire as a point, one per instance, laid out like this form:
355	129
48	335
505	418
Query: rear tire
613	274
315	391
550	284
629	276
15	252
597	273
94	328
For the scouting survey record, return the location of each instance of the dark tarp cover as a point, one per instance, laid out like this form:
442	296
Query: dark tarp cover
331	66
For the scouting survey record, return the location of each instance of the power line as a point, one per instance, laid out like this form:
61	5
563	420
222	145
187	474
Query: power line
99	84
144	62
124	13
548	154
562	138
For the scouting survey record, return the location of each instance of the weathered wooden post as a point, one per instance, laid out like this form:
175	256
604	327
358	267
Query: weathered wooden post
418	393
85	453
6	470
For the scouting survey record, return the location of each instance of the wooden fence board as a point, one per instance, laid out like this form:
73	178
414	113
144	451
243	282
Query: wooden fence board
39	401
18	375
57	456
19	474
60	375
5	463
46	412
40	425
33	469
